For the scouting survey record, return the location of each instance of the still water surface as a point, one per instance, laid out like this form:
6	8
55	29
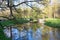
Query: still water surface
34	31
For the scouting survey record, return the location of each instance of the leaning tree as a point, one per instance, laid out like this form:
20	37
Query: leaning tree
11	19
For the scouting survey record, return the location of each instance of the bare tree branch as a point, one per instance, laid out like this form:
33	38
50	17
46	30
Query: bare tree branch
27	5
29	1
4	17
16	10
22	3
3	7
31	7
8	17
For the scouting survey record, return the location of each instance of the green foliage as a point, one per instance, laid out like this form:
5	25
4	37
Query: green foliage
21	21
53	23
14	22
7	22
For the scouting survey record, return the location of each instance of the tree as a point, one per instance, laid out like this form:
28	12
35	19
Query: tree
11	18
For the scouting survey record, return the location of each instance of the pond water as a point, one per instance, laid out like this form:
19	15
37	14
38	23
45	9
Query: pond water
33	31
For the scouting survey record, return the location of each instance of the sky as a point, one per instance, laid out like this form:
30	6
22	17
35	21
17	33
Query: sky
29	3
17	1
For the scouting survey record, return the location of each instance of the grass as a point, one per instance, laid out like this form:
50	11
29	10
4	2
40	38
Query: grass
14	22
55	23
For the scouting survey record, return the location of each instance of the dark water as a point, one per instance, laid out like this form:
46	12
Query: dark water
34	31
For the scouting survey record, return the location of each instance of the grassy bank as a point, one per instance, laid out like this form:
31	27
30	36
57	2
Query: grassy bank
53	22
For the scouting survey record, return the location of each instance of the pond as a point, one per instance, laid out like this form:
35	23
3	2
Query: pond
33	31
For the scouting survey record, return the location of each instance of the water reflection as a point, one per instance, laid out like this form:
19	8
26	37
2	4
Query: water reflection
57	34
23	34
38	33
15	34
51	36
7	32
